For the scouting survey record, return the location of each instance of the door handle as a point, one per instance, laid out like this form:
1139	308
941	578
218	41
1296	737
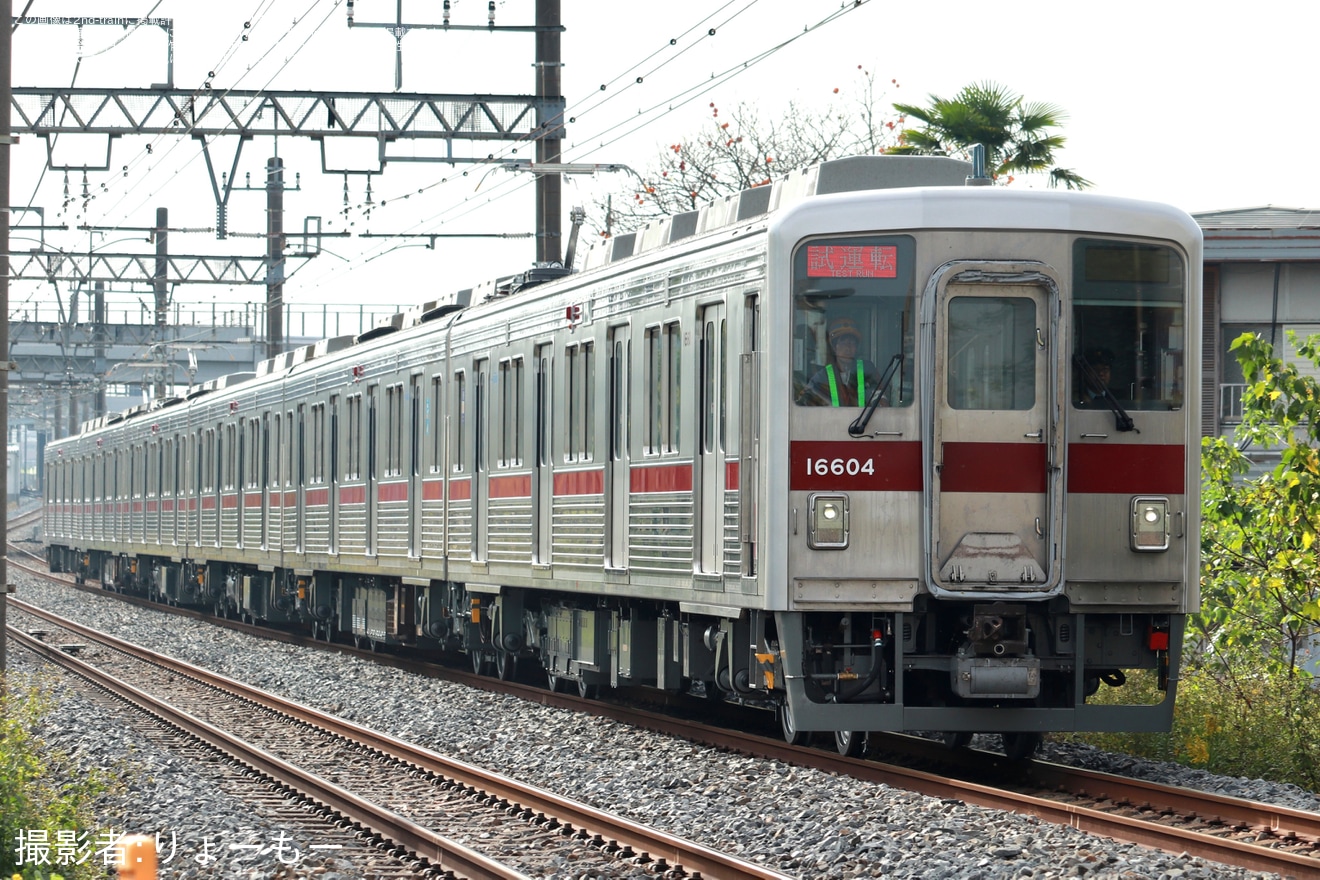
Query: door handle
1035	435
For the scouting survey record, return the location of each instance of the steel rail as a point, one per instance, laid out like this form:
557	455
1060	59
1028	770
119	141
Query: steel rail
441	852
691	856
1090	820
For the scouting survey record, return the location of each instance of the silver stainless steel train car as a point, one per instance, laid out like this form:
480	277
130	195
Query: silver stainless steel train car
874	447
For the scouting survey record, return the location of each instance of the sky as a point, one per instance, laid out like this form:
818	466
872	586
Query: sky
1203	107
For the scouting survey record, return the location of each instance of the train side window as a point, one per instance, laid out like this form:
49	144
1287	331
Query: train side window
579	380
333	440
433	424
654	379
415	428
394	430
458	425
510	380
353	440
319	440
544	420
234	452
291	441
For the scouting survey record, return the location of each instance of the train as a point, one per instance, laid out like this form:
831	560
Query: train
877	447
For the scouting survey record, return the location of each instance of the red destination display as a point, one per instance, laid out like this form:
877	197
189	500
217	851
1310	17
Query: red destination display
852	261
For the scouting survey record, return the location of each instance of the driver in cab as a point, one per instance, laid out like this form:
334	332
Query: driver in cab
846	379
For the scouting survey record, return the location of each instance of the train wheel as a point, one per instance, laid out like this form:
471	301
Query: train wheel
587	691
480	662
957	739
506	665
850	743
552	681
1020	746
788	726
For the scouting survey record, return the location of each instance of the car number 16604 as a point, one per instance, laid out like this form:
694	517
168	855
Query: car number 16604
820	467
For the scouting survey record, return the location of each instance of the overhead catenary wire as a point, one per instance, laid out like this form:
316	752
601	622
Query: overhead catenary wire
177	140
645	117
647	69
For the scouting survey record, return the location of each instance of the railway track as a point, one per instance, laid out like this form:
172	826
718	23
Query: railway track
395	790
1223	829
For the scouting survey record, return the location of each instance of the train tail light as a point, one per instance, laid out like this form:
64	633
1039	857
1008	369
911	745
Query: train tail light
1150	524
1158	639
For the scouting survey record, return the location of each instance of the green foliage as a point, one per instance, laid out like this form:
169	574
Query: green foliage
1259	578
34	796
1018	137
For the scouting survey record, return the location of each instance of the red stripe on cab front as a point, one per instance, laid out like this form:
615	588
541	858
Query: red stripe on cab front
1011	468
1113	469
855	466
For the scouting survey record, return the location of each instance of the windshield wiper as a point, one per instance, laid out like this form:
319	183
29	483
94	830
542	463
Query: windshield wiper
858	427
1122	421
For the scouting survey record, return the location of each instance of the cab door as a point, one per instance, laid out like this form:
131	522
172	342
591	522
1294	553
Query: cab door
995	504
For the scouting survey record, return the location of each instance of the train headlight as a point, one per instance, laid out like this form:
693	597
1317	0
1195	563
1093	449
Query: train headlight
829	522
1150	524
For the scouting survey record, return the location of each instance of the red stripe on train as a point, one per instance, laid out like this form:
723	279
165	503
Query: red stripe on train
1009	468
460	489
659	478
391	492
580	483
511	487
1102	469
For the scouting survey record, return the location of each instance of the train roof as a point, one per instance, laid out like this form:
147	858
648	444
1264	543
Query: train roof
912	175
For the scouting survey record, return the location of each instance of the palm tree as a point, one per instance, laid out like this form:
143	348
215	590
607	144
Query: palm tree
1016	135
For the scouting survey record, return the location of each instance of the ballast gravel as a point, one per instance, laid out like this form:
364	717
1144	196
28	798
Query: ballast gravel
802	822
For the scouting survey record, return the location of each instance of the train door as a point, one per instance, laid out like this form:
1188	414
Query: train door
332	442
712	385
264	486
241	481
480	465
274	494
372	478
995	503
300	481
542	472
415	467
618	490
749	420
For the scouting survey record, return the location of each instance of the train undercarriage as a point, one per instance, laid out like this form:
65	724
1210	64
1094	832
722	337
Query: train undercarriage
1018	669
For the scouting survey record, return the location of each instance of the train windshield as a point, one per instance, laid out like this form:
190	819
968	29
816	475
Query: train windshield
1128	325
853	301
